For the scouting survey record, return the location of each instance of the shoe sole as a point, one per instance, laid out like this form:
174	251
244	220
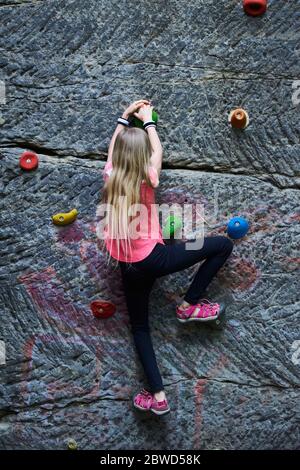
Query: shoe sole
159	413
198	319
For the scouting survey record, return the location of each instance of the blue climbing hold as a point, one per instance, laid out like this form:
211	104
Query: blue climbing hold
237	227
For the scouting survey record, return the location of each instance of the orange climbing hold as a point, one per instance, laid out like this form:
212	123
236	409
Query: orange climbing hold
239	118
102	309
255	7
28	160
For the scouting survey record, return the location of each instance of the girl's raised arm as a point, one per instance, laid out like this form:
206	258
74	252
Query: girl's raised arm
131	109
112	142
157	150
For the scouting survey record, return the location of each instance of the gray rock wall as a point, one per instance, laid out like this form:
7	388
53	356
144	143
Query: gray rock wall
69	69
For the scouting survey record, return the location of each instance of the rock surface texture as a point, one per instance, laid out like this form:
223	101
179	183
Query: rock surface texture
69	68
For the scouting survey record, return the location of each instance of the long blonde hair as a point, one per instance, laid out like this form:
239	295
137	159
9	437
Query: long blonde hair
130	160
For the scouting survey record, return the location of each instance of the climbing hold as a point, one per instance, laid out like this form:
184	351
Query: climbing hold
172	225
102	309
65	218
255	7
72	445
237	227
28	160
239	118
138	123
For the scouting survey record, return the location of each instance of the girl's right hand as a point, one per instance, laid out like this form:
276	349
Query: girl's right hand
144	113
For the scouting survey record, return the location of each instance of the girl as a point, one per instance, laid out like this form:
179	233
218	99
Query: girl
131	174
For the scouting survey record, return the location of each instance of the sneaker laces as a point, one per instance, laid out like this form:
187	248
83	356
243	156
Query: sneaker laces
209	309
145	392
208	302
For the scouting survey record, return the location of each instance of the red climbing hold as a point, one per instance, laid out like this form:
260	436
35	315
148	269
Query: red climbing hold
255	7
102	309
29	160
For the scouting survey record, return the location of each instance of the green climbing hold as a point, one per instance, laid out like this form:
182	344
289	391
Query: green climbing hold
138	123
172	225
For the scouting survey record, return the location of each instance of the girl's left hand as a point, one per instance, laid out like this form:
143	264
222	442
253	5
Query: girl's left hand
135	107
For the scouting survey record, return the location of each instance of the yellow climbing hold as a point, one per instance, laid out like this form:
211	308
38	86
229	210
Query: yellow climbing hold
65	218
72	445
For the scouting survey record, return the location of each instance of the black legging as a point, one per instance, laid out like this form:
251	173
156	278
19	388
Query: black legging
138	279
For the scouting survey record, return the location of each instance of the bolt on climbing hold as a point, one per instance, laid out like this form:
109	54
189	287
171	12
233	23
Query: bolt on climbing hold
65	218
239	118
237	227
102	309
172	225
72	444
255	7
136	122
28	161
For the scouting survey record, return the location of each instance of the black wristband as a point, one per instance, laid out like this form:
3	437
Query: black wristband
123	121
148	124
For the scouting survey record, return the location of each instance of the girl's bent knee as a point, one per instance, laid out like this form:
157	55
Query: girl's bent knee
227	245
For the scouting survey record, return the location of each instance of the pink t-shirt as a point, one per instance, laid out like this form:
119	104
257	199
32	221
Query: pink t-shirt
149	233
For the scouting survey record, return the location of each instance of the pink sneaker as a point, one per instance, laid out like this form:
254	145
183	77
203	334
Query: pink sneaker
145	401
204	311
